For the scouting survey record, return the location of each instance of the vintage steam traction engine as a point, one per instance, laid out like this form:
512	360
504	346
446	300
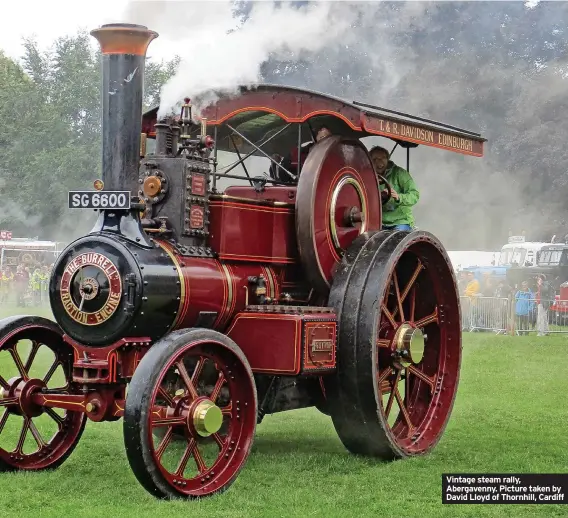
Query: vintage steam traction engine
218	308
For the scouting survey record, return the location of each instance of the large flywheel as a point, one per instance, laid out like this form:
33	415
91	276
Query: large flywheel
337	200
399	344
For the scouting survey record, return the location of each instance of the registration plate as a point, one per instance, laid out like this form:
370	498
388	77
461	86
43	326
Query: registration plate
99	199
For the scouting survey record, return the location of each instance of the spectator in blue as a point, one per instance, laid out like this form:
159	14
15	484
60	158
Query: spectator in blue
524	300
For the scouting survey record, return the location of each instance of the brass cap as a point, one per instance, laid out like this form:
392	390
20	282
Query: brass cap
207	418
152	186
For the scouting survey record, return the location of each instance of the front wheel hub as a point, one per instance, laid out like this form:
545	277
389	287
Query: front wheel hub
410	344
207	418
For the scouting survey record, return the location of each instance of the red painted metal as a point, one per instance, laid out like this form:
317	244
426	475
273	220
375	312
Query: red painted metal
242	230
21	399
287	344
338	198
176	410
295	105
430	386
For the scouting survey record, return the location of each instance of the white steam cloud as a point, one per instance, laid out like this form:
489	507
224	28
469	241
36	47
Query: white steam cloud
219	52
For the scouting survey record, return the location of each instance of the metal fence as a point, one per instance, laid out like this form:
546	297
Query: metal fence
514	315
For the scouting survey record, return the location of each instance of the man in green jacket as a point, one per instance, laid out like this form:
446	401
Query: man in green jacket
397	212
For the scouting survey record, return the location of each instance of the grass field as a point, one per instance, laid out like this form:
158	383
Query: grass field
510	415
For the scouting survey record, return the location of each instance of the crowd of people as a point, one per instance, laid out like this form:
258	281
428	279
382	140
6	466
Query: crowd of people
487	302
24	285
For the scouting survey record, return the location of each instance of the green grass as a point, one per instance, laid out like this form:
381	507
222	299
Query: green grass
510	416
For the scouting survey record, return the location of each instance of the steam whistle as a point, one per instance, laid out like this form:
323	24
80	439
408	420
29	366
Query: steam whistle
185	119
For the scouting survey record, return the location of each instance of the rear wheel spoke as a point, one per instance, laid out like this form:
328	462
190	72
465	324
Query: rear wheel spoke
419	374
429	319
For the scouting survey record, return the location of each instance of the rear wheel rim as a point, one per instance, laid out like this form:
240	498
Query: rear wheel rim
414	388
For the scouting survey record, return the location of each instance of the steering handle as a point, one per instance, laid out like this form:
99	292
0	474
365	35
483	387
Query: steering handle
389	189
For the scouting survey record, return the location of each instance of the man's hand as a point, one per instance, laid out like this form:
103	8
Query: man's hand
394	194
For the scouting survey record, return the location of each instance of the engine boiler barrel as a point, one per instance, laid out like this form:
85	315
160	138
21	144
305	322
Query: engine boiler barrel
123	48
214	291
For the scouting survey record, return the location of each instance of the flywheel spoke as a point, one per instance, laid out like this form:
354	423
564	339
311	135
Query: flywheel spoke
8	401
4	383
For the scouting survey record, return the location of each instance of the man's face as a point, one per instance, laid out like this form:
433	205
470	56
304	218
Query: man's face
322	133
380	161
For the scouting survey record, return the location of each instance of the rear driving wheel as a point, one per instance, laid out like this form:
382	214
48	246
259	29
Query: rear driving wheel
197	387
399	347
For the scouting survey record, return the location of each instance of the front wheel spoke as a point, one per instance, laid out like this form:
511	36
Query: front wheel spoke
201	466
8	401
4	383
23	435
186	454
219	440
389	316
383	342
37	436
51	371
402	407
31	357
433	317
4	419
160	417
165	442
217	388
227	410
198	370
168	399
18	361
186	379
424	377
412	304
55	416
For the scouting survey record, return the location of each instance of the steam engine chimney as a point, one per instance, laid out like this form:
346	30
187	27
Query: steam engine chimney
123	48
